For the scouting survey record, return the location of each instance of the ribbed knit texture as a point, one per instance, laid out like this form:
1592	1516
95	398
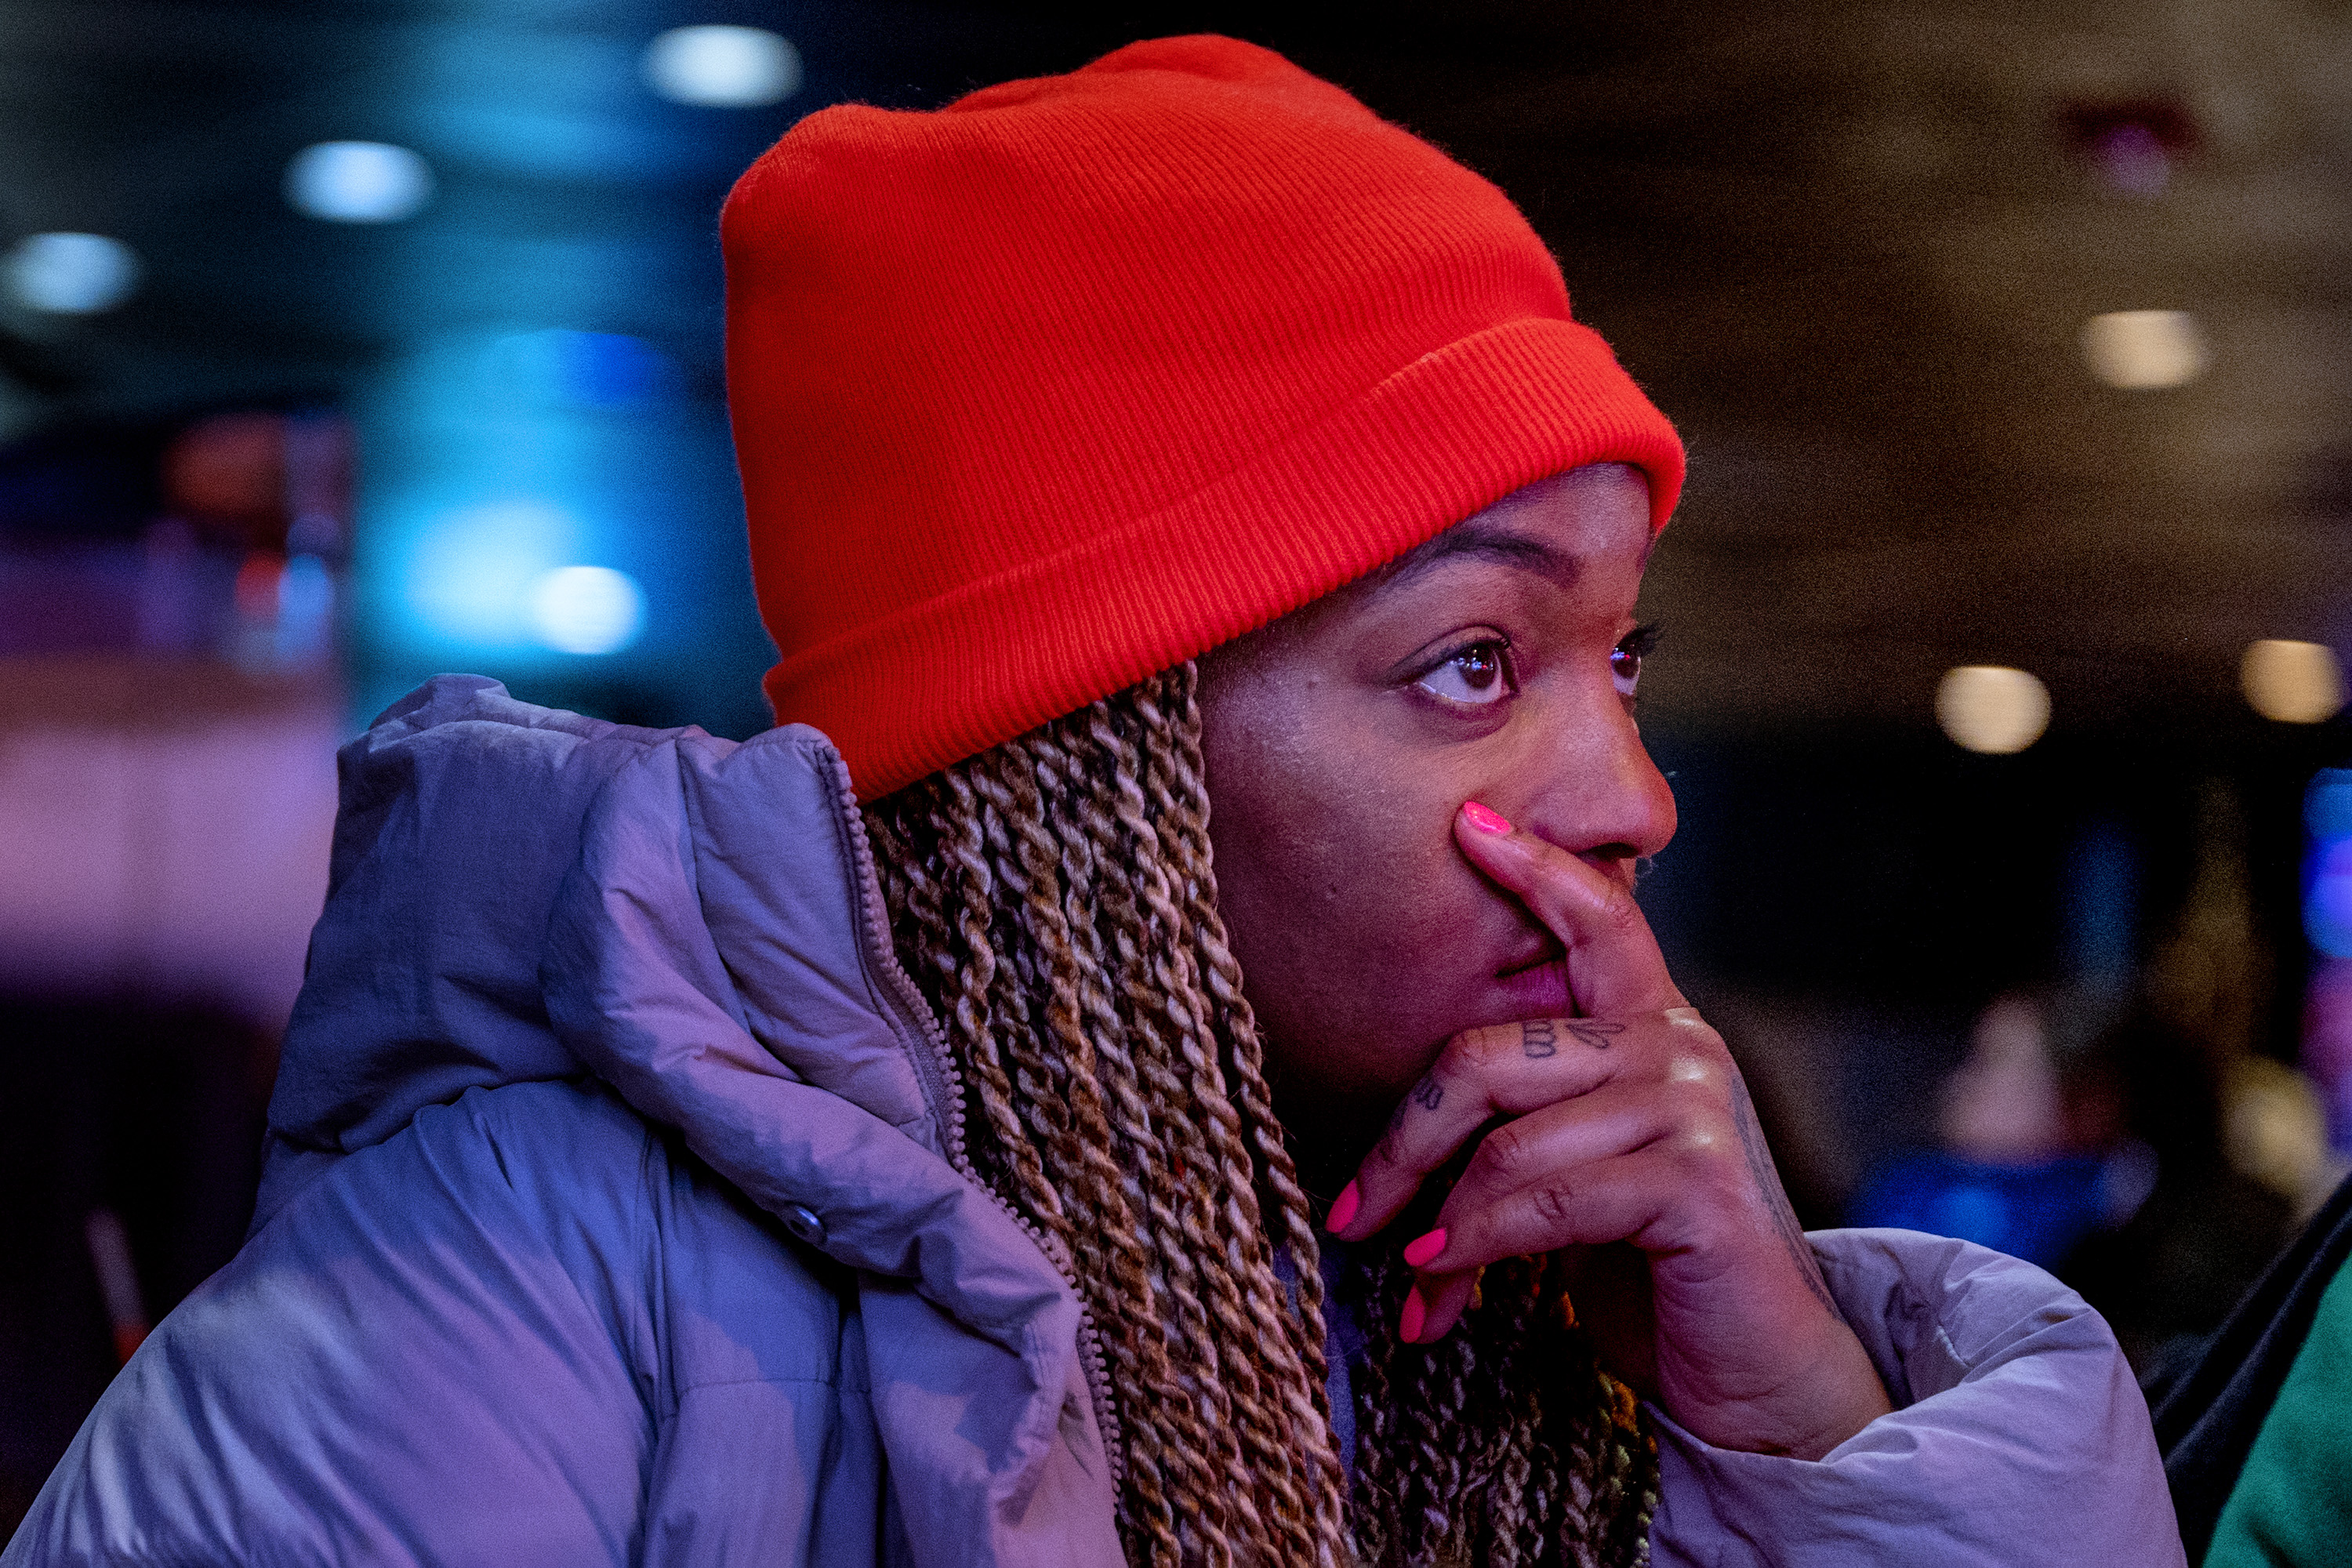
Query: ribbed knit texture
1080	377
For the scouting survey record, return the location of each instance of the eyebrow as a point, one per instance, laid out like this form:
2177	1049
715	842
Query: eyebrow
1485	542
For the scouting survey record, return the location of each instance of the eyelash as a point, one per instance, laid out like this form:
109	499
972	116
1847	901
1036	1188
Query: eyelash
1634	646
1498	648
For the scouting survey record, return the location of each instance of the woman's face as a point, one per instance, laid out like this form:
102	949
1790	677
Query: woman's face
1494	663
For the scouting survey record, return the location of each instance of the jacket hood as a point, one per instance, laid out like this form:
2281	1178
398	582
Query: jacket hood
519	894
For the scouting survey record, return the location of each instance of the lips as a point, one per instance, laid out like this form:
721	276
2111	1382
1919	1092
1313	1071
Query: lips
1538	987
1550	953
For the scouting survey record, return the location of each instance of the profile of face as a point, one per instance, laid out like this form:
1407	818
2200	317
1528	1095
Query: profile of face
1496	663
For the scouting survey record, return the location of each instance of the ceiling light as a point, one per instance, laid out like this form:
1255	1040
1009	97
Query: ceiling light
587	609
71	274
2293	682
358	181
723	68
2140	351
1990	709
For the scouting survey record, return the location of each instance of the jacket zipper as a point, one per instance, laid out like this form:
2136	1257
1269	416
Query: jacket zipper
944	1081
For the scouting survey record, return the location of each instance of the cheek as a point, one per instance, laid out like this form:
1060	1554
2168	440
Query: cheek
1346	903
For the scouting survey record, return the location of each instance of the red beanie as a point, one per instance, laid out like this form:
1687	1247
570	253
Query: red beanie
1079	377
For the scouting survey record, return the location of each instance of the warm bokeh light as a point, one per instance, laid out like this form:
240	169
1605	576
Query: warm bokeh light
2141	350
723	68
358	181
587	609
2293	682
71	274
1991	709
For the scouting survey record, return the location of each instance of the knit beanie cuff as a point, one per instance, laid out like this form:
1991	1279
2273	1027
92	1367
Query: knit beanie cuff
1447	436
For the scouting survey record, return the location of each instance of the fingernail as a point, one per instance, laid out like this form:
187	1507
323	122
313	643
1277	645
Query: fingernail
1343	1208
1485	818
1421	1251
1415	1313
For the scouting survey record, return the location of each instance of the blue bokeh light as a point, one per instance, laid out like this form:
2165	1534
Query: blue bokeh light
70	274
2327	869
358	181
587	610
466	575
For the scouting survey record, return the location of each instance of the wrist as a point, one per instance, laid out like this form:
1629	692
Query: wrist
1825	1394
1848	1396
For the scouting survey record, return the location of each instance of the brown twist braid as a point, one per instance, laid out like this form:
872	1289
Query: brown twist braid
1055	899
1151	1177
1260	1300
1292	1229
1108	1239
1181	1072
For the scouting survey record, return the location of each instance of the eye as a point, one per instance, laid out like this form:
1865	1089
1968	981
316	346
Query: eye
1475	675
1625	658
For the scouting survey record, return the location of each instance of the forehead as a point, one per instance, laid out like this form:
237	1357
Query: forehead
1557	528
1560	527
1585	512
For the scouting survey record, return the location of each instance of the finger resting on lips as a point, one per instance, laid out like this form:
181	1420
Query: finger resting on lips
1614	966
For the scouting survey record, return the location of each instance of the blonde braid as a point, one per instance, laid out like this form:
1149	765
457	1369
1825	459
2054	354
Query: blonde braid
1107	1239
1181	1073
1249	1296
1055	897
1183	788
1089	841
982	980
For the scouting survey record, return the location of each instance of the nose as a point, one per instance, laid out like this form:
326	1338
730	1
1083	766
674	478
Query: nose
1594	791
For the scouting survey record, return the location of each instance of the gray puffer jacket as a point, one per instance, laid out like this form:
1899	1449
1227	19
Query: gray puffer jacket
616	1211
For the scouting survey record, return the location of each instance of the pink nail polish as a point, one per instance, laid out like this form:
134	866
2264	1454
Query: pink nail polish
1485	818
1344	1207
1421	1250
1415	1313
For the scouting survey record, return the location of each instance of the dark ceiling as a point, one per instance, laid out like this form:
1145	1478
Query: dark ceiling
1849	248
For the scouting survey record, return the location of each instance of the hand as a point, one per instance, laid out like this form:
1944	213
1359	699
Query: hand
1629	1123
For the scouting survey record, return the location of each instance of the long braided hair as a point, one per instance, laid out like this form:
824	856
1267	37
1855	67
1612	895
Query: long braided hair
1054	898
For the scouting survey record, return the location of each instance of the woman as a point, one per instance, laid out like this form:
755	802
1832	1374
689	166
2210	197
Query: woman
675	1160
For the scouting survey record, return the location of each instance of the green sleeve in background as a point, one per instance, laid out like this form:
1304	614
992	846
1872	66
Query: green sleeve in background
2293	1502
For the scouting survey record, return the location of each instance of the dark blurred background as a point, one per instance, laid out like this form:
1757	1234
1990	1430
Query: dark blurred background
342	343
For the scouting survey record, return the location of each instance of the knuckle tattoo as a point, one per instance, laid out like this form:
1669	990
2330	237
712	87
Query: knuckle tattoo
1541	1037
1595	1032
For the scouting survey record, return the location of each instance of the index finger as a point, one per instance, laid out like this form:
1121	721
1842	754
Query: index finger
1502	1070
1614	967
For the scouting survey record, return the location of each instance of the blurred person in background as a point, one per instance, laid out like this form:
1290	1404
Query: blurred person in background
2112	1163
677	1158
2008	1175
